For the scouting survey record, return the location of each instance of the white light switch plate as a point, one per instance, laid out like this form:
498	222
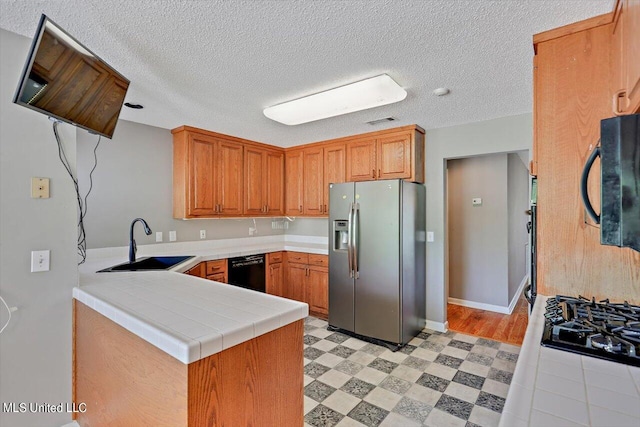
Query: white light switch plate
172	236
430	236
158	236
203	234
40	261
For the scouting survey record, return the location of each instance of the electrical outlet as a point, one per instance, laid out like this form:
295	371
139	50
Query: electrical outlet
203	234
40	261
172	236
252	231
158	236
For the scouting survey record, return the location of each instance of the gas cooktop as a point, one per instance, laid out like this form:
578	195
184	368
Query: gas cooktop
601	329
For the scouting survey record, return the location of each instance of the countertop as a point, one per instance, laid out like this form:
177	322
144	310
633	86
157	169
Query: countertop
188	317
552	387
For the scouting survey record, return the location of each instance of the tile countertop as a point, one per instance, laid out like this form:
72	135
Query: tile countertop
188	317
552	387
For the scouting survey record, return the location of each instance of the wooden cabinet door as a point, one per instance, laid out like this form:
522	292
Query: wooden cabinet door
361	160
229	177
254	182
275	279
294	162
334	170
295	279
274	188
393	155
313	198
631	45
198	270
201	168
317	290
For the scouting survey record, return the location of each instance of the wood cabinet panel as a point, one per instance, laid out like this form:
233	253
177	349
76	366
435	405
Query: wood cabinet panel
361	160
335	169
275	279
317	290
394	157
202	176
295	279
198	270
632	47
313	181
254	183
230	178
294	185
570	102
298	257
320	260
274	183
216	266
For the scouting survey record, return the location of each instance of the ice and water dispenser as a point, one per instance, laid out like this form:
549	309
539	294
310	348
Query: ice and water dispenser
340	235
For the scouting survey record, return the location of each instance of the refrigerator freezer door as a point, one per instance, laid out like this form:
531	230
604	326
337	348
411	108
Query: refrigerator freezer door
341	298
378	286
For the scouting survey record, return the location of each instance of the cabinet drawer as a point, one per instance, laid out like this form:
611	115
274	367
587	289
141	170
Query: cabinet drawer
274	257
298	257
218	277
316	259
217	266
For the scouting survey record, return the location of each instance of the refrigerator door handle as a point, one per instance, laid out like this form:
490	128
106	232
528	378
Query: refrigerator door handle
350	237
355	228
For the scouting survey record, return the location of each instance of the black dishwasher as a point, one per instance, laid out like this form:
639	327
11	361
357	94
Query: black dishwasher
247	272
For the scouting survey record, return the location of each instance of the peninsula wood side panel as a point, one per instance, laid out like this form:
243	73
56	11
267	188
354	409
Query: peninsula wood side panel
125	381
572	95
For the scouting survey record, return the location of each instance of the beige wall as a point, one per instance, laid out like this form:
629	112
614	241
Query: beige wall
35	349
518	201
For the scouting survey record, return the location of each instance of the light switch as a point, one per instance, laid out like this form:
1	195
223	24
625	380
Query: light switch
430	236
39	188
172	236
40	261
477	201
203	234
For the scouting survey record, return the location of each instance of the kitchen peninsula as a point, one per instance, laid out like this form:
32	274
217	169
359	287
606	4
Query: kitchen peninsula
166	348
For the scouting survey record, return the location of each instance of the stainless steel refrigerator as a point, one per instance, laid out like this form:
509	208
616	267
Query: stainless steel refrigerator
377	259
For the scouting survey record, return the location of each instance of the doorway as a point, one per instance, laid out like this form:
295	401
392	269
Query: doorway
487	244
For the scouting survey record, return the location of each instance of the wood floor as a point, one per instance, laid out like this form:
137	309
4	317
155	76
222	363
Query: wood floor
508	328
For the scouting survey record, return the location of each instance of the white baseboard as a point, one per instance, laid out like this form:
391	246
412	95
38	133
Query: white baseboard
492	307
479	305
437	326
518	293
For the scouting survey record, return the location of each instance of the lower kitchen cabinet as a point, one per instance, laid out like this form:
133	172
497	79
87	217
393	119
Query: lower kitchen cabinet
275	274
307	280
212	270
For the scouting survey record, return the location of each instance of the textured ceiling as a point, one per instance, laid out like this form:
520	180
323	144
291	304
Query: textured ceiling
217	64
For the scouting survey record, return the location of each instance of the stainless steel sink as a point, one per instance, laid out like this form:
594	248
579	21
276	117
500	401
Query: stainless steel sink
148	264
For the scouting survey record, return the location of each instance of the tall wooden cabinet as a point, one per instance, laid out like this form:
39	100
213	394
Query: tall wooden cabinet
625	61
572	93
307	280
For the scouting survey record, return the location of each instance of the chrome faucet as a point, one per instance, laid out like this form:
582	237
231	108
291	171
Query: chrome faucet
132	242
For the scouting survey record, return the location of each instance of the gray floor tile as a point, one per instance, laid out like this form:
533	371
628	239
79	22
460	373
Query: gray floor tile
413	409
321	416
480	359
468	379
415	362
431	381
357	387
349	367
488	343
511	357
461	345
490	401
312	353
431	345
450	361
455	406
337	337
310	339
318	391
368	414
342	351
383	365
314	370
395	385
498	375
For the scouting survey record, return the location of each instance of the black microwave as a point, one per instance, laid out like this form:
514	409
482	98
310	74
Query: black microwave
619	153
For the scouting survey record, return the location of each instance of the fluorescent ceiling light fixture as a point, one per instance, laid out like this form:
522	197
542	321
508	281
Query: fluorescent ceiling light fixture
368	93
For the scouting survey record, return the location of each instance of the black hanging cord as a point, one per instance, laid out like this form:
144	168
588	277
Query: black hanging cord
82	203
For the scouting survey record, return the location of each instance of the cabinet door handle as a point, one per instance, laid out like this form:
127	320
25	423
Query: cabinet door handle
373	173
217	209
616	101
325	209
379	174
300	208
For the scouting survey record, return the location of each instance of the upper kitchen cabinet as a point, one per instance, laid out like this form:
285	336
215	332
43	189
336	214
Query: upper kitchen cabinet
390	154
294	189
625	57
318	165
264	181
207	175
572	94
